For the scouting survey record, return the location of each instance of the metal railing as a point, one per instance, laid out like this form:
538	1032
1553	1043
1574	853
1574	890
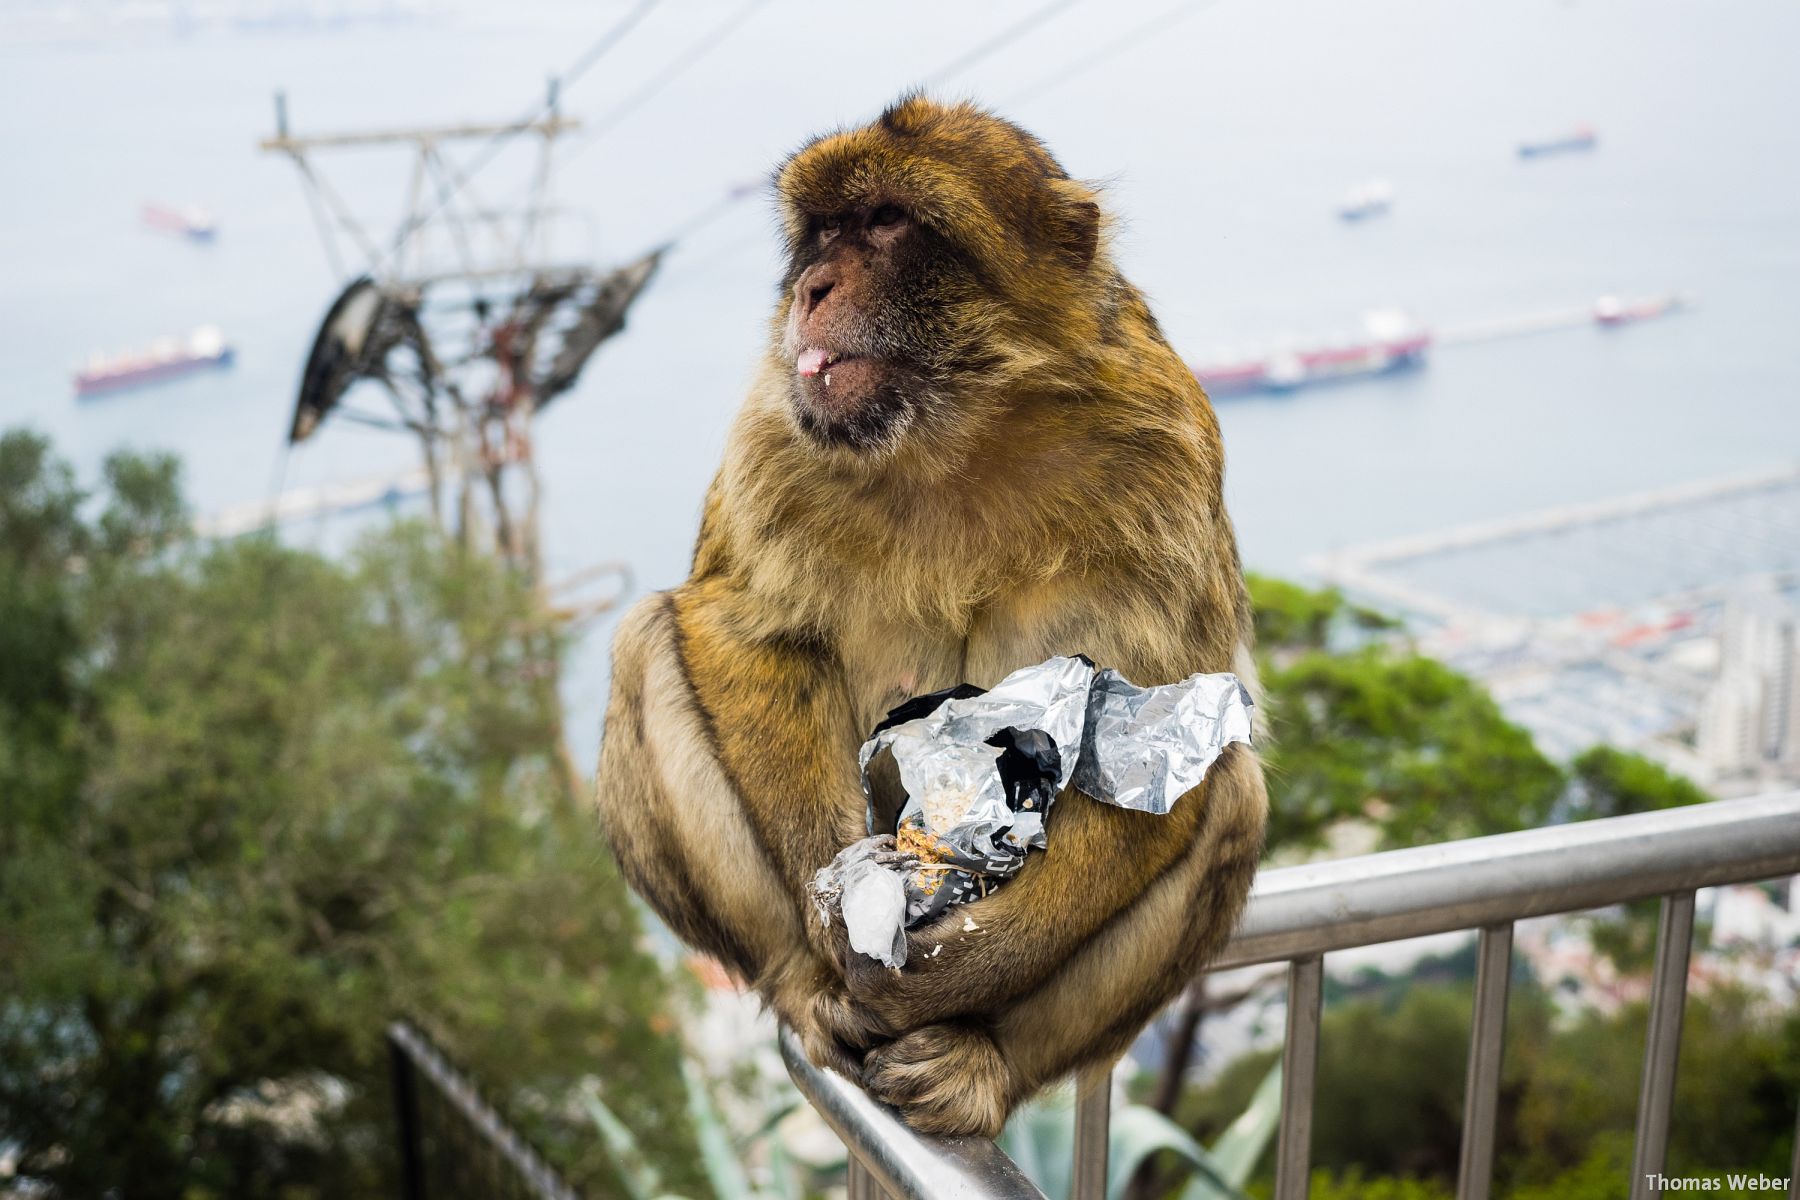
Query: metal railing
453	1144
1299	914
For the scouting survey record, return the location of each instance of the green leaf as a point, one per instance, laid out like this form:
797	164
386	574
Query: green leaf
640	1178
1238	1149
722	1166
1138	1132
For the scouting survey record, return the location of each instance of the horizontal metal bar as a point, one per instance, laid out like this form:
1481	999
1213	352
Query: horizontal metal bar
427	134
1299	1071
1662	1049
1487	1046
1295	912
907	1164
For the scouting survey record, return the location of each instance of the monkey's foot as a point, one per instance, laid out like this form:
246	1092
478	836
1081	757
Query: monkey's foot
945	1079
835	1031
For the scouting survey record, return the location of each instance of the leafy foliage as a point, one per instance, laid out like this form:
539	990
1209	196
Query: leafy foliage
1564	1113
1363	729
1382	734
254	804
1615	783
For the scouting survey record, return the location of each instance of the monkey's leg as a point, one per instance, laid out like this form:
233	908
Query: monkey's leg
963	1075
717	800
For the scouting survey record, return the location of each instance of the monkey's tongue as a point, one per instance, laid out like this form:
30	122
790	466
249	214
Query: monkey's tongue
810	363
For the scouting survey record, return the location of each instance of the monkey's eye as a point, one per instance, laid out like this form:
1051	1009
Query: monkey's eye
887	216
830	227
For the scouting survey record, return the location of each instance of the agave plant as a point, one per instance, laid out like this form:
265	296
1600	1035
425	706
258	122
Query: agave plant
722	1162
1040	1138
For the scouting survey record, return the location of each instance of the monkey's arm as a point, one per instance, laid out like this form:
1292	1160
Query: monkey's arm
978	957
720	791
963	1076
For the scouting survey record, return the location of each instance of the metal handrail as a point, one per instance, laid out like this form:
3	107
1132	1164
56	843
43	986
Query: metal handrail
413	1060
1320	907
1299	914
899	1160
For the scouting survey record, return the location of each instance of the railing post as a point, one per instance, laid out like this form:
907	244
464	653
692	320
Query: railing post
1662	1048
858	1183
1093	1121
406	1121
1487	1047
1794	1171
1299	1069
902	1163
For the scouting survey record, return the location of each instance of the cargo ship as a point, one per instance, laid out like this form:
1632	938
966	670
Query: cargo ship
1392	343
1582	137
1612	311
192	222
1365	200
167	358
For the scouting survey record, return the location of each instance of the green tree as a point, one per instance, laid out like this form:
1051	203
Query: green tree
1376	732
1293	617
1617	783
1400	739
255	803
1735	1085
1388	1105
1389	1091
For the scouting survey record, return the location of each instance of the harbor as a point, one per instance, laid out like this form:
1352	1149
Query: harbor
1613	622
368	359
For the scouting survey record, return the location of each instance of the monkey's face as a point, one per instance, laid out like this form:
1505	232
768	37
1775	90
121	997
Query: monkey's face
931	254
866	328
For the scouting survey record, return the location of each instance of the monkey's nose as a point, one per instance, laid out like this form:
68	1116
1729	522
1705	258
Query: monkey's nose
812	287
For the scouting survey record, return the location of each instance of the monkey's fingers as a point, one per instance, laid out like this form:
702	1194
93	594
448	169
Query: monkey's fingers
946	1079
848	1023
830	941
826	1051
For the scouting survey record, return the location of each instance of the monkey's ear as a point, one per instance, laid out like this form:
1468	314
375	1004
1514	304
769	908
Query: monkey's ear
1078	228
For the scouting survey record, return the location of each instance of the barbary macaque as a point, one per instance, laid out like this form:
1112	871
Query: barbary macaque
967	448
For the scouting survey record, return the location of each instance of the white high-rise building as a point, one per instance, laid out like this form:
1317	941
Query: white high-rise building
1751	715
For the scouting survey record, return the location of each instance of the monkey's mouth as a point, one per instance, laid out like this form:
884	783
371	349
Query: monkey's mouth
836	382
814	361
853	400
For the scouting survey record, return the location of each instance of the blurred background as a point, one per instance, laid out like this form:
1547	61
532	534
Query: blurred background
1496	304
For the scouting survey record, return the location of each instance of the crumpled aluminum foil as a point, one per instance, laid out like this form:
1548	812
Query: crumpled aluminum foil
1145	748
981	770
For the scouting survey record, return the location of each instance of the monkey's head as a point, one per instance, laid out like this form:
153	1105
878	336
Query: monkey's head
939	260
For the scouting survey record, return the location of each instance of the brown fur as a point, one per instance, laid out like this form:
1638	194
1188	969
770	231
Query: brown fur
1054	488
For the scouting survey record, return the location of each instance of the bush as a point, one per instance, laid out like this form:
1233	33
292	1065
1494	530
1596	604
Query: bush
254	804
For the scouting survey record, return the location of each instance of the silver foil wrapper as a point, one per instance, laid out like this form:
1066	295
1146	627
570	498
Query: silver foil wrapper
980	772
948	764
1145	748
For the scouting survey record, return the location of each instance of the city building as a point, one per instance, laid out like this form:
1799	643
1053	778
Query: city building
1750	717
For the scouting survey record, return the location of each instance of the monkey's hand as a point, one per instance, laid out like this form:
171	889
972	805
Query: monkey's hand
978	957
947	1079
834	1029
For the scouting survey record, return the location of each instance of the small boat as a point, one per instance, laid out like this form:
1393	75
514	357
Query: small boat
1392	342
1612	311
1371	198
1582	137
192	221
167	358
